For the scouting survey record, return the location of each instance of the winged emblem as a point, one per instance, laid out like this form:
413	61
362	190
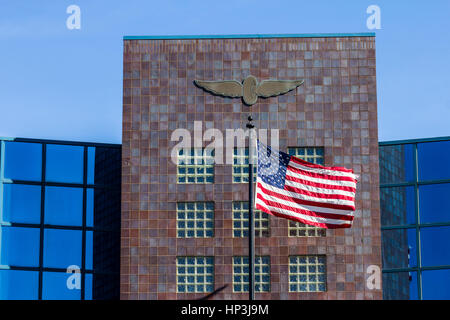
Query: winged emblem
249	89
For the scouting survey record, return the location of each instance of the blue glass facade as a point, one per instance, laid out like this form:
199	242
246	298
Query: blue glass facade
59	220
415	218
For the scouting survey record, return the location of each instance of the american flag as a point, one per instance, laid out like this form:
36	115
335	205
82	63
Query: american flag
291	188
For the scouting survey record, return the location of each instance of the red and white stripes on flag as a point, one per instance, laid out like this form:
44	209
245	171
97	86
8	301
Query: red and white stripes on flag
291	188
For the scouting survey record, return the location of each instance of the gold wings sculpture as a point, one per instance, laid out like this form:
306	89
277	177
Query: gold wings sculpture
249	89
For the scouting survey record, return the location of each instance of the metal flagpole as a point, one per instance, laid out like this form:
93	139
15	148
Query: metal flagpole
251	220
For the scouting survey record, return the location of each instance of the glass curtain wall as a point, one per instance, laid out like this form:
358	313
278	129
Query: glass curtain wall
59	220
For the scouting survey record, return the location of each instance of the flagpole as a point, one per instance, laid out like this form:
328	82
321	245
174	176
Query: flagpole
251	220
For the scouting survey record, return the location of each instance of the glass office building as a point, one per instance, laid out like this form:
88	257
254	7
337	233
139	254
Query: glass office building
415	218
60	220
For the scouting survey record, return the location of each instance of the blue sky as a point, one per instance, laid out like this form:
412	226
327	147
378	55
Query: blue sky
65	84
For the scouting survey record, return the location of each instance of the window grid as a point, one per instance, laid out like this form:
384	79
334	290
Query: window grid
195	166
307	273
240	166
240	221
195	274
241	273
310	154
42	183
298	229
195	219
313	155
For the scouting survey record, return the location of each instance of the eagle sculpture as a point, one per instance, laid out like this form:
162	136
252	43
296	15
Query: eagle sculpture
249	89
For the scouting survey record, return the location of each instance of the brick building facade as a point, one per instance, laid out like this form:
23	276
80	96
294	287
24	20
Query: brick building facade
334	111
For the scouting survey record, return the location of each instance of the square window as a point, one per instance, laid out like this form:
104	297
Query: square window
195	274
19	246
63	206
62	248
298	229
103	164
23	161
241	276
312	155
